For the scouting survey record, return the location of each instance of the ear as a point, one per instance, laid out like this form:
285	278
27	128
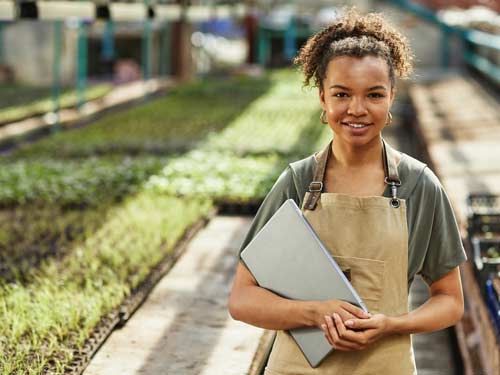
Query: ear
391	96
322	98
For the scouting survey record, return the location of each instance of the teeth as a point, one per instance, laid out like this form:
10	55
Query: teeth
356	126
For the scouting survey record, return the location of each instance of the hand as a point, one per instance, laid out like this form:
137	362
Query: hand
344	309
355	334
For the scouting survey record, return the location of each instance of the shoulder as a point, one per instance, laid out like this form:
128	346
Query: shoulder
303	168
302	172
414	174
425	186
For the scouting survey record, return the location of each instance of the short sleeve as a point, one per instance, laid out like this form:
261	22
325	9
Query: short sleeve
283	189
445	250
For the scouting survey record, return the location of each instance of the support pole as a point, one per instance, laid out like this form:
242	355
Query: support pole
82	63
164	50
56	72
445	46
146	47
108	47
290	42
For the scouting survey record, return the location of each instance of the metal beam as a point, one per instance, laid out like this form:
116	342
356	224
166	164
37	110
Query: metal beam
7	11
61	10
171	12
128	12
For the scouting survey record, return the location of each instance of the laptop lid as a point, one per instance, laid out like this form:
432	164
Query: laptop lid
287	257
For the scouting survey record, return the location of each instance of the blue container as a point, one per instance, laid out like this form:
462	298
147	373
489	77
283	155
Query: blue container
493	306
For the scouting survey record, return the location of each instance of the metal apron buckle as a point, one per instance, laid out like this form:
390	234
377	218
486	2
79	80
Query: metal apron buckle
394	192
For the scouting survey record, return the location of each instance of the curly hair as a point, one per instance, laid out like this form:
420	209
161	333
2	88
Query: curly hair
358	36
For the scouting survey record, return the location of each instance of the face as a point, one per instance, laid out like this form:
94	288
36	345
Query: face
357	95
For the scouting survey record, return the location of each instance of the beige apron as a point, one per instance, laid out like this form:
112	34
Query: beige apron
368	237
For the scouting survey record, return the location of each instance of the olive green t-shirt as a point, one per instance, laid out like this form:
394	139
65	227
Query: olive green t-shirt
434	242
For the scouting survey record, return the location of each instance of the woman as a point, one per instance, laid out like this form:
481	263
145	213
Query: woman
383	215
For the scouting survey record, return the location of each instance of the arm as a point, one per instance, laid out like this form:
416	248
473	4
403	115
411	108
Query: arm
257	306
443	309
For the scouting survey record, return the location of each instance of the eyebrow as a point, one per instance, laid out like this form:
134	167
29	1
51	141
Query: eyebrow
379	87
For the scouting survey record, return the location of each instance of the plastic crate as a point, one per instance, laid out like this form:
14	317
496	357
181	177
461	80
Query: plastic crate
483	211
486	254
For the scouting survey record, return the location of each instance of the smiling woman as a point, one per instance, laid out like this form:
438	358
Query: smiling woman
382	214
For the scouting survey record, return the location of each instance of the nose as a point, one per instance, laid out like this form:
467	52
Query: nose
356	107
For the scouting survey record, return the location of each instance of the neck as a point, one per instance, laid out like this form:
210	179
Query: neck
346	155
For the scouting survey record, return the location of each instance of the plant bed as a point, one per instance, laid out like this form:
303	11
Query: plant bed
121	314
92	280
89	182
170	124
218	176
28	236
18	103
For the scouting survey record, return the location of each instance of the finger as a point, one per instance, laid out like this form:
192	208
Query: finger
356	311
332	331
327	334
339	324
346	315
331	327
361	323
340	335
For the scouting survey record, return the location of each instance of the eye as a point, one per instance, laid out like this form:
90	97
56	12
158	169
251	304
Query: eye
340	95
376	95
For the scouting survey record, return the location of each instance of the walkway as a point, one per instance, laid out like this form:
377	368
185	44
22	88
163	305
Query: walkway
184	327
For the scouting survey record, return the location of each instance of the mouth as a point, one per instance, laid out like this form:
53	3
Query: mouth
356	125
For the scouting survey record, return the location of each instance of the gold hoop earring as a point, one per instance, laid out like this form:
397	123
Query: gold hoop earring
322	117
390	119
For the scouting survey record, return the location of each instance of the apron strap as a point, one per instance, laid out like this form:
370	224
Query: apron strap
390	167
316	185
391	172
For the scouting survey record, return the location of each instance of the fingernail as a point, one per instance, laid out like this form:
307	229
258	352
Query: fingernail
349	323
335	315
326	317
323	327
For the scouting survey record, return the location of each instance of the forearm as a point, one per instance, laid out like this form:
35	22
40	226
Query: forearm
438	312
262	308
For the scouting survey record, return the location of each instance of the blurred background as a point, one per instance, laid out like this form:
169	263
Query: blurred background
139	138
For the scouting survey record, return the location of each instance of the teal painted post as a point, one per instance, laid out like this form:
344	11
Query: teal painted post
108	47
164	50
146	47
81	63
1	44
445	46
56	70
262	46
108	43
290	42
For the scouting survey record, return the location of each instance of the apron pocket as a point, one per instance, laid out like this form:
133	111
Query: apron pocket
366	276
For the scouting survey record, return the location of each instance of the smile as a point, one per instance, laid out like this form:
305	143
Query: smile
355	125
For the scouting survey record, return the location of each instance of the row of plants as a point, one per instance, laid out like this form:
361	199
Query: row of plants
240	164
89	182
78	235
173	123
284	120
217	175
28	236
103	222
47	317
24	101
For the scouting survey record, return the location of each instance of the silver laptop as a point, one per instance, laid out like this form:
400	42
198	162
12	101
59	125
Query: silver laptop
287	257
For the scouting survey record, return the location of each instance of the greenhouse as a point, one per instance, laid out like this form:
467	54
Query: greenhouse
145	145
